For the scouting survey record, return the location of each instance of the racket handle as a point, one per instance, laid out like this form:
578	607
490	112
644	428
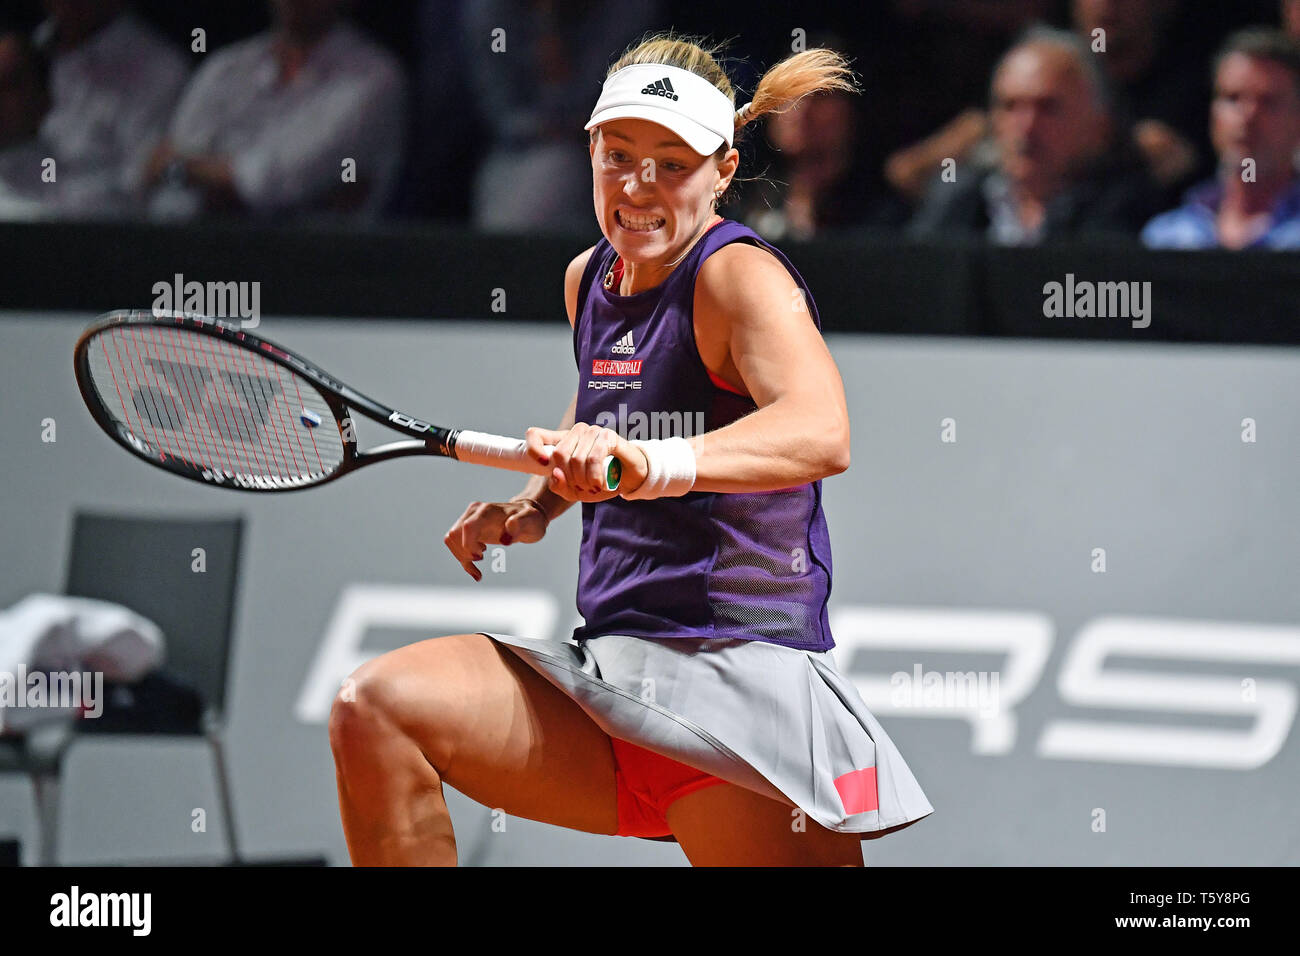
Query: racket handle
497	451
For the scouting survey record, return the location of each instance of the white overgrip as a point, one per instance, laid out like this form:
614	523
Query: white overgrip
497	451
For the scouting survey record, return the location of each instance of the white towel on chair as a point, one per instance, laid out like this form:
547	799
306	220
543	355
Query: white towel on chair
56	633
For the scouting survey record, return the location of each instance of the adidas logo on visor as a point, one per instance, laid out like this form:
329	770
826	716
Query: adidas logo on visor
662	88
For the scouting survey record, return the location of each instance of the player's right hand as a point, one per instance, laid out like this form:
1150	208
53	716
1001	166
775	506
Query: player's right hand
499	522
578	460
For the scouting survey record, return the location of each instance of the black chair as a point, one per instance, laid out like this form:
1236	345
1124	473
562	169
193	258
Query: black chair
146	564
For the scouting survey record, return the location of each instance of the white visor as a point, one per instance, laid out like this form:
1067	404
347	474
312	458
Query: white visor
687	104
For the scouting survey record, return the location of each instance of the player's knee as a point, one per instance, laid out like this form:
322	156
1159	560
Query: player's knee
365	710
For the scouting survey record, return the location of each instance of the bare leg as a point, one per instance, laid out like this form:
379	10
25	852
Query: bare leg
727	825
465	711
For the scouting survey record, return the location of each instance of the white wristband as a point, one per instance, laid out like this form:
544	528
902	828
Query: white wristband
672	469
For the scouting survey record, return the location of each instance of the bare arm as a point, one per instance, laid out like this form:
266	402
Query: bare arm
536	489
485	523
911	169
755	323
753	329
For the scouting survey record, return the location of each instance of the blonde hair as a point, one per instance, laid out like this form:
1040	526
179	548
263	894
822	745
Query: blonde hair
780	87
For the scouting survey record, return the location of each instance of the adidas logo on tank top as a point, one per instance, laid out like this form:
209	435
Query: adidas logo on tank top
623	346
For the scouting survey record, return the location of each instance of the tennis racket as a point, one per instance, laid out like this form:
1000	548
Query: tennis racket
208	401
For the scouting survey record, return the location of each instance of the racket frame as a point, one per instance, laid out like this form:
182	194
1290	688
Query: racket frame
343	400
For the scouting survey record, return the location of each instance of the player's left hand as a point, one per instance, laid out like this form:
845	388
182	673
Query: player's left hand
578	462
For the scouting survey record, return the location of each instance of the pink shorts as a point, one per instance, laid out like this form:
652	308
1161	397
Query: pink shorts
647	785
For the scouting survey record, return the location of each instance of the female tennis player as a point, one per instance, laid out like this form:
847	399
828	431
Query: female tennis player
699	702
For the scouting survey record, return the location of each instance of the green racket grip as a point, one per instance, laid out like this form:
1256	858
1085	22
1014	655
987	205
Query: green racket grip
613	473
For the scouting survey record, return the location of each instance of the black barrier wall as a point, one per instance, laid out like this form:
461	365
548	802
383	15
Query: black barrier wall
862	284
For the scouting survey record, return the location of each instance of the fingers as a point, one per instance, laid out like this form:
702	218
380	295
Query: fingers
485	523
526	523
453	542
468	536
562	457
535	440
471	541
577	463
593	459
575	466
578	472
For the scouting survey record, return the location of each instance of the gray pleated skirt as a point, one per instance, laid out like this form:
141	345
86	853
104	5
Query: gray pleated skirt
779	721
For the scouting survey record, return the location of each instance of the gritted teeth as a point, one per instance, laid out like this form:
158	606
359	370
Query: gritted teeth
638	223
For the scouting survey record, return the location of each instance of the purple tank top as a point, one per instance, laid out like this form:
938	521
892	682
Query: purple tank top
706	564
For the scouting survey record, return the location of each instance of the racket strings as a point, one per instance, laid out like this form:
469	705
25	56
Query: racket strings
213	404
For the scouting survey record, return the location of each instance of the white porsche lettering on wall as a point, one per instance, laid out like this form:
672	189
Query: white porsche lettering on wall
1021	642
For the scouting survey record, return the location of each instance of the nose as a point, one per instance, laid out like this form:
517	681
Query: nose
1033	126
1250	110
1020	120
635	186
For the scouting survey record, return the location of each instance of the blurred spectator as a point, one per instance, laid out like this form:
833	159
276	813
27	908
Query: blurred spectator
113	83
1254	201
1157	89
1289	13
1059	171
535	95
268	125
941	54
448	137
819	184
1160	90
24	101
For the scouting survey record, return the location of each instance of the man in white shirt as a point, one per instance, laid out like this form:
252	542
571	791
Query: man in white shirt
307	118
113	83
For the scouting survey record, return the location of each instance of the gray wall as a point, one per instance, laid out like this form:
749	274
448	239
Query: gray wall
1160	692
